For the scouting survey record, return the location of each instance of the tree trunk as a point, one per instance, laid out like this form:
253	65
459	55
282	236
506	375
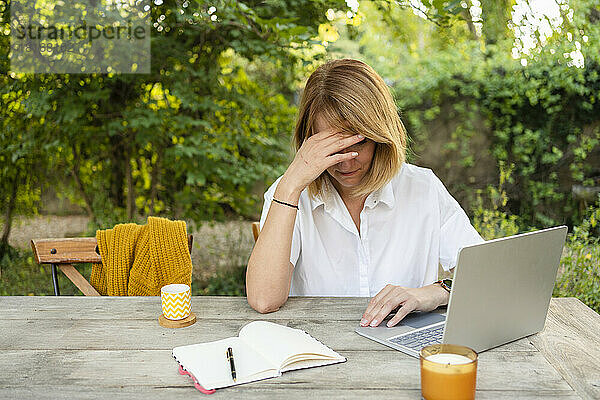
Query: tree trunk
75	173
8	215
154	180
495	15
130	190
117	168
469	19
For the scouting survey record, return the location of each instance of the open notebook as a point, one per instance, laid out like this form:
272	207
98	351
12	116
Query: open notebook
262	350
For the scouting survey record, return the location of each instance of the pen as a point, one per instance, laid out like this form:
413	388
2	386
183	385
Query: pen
231	363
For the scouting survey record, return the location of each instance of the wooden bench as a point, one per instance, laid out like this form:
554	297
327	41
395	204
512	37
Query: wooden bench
65	252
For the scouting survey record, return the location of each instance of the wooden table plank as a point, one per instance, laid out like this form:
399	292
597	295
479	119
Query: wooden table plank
137	334
375	370
571	343
205	307
248	392
78	347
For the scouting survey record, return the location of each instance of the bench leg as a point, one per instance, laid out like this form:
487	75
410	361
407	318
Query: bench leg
55	280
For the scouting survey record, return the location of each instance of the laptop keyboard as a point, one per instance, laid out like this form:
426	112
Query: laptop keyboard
419	339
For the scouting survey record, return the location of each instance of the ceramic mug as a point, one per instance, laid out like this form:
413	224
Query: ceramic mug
176	301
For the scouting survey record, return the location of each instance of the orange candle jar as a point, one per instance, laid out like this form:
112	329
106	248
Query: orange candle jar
448	372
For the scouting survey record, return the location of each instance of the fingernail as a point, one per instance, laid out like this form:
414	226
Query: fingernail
354	153
374	322
389	324
360	136
363	322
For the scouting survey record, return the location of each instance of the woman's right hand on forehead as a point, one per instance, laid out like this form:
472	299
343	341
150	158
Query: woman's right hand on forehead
317	153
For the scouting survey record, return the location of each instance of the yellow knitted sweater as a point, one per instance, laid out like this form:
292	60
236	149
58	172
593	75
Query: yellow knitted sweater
137	260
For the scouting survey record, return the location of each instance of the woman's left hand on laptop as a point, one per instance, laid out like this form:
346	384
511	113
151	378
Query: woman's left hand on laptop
426	298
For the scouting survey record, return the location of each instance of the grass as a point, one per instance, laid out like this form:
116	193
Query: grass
22	276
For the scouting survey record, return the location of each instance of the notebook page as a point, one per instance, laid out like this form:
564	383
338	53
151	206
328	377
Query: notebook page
281	344
310	363
208	363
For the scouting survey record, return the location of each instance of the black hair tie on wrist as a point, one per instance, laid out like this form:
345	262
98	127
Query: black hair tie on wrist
286	204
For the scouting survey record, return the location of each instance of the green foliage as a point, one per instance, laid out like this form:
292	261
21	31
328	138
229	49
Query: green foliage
441	13
190	140
229	281
539	114
20	275
23	154
547	143
492	222
579	272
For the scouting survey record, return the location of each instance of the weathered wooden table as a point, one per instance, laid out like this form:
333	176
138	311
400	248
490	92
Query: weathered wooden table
107	348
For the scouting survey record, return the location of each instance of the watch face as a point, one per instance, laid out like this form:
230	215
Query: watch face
447	282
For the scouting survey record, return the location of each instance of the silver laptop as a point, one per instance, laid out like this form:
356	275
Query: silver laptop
500	292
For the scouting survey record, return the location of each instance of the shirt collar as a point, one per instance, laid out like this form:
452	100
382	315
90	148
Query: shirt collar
325	196
384	194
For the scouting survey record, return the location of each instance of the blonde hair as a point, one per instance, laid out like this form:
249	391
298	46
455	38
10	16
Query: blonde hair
350	95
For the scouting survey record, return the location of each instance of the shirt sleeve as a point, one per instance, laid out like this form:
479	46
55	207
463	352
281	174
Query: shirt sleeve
456	230
296	242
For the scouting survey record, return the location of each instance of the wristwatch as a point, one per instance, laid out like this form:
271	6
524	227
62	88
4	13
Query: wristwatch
445	283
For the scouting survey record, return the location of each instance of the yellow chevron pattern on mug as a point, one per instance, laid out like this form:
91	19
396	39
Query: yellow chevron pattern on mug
176	301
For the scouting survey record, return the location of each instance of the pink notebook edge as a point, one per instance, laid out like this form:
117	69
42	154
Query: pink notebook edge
182	371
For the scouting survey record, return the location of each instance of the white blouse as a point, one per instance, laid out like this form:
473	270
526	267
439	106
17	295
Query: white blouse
406	228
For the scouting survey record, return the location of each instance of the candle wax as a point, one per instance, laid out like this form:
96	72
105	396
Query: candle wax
444	358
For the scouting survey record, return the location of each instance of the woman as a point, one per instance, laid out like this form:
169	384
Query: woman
350	217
